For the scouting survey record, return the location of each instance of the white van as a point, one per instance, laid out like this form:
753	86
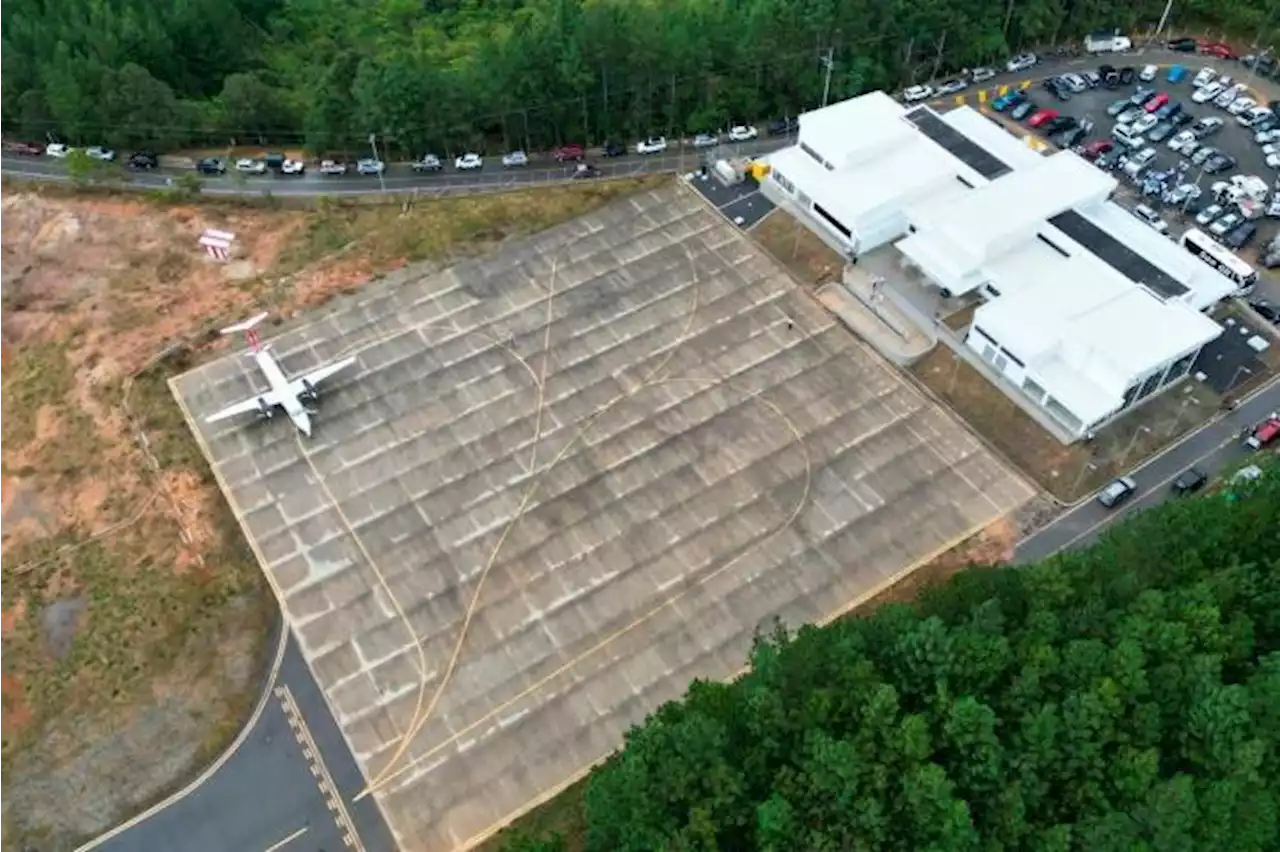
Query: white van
1127	136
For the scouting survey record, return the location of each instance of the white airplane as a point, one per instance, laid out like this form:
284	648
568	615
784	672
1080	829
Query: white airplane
296	397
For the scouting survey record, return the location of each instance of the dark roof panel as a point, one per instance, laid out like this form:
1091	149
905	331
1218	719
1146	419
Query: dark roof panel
966	150
1117	255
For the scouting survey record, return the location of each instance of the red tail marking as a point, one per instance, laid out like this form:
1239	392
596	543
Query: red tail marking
251	337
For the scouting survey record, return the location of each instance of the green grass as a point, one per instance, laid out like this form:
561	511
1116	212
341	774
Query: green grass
37	375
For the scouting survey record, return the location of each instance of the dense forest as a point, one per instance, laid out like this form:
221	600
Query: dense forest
1120	698
446	74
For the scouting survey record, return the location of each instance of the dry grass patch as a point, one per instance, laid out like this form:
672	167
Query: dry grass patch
134	616
803	253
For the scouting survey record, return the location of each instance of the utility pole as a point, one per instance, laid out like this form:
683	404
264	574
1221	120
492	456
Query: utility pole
373	143
829	61
1164	17
524	115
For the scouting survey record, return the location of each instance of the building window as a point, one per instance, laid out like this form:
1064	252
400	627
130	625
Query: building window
783	182
812	153
1130	394
805	201
1033	390
1149	386
1180	368
833	221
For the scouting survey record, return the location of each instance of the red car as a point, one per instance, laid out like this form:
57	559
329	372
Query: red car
1042	116
1156	102
565	153
1218	49
30	149
1264	433
1094	150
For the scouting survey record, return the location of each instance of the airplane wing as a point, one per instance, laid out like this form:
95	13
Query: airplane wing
315	377
244	407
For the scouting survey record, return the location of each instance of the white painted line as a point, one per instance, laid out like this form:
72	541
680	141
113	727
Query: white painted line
287	840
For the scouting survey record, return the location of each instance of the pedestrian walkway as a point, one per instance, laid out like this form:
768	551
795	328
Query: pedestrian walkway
859	301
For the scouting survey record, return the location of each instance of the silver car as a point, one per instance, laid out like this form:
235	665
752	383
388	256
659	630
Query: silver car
514	159
706	140
1117	492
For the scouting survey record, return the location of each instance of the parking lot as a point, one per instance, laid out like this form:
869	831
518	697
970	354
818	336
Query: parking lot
1231	139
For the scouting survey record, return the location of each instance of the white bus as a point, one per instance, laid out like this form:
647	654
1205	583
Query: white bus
1220	258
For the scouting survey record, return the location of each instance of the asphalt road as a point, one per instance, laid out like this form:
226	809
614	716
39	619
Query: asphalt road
400	177
267	795
1216	446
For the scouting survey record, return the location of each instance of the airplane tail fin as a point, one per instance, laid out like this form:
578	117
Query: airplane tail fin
244	325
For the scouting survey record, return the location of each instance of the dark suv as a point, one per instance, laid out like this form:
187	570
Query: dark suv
143	160
211	166
1188	482
614	149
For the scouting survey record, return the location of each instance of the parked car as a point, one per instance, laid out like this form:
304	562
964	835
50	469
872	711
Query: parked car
469	162
1127	75
1178	142
1148	73
26	149
1151	217
1042	117
1145	123
1139	162
1241	105
742	133
97	152
706	140
428	163
1110	76
1218	49
1203	77
211	166
1209	214
1021	62
1219	162
1075	82
917	93
1141	95
58	150
784	126
1240	236
1181	194
1181	118
1116	107
568	153
952	86
1160	132
1226	224
1264	433
330	167
1169	110
1189	481
1265	137
1183	45
293	167
1118	491
1155	102
1092	78
143	160
1009	100
1228	96
1022	110
652	145
515	159
1176	74
1130	115
1207	126
1207	93
1094	150
982	75
1256	117
250	166
370	166
1266	310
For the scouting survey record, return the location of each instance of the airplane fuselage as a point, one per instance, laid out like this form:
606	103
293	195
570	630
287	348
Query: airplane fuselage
280	385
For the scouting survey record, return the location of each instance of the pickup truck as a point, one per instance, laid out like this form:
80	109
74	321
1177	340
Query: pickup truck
1107	41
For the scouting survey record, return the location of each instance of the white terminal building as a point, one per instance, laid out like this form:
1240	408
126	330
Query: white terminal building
1084	307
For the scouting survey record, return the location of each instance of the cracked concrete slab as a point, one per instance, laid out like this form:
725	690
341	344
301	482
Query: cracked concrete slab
630	441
